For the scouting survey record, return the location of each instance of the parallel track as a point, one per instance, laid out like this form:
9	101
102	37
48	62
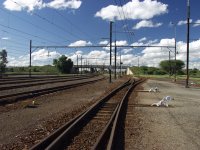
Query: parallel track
10	98
36	79
30	83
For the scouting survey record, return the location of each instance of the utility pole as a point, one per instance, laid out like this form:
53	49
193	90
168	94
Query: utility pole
138	66
120	64
30	58
188	40
175	52
77	64
110	78
115	60
169	64
81	64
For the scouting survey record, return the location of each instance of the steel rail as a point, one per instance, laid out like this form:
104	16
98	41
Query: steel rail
10	98
33	79
104	140
113	136
57	143
22	85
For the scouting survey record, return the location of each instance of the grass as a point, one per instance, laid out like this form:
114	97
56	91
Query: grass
181	77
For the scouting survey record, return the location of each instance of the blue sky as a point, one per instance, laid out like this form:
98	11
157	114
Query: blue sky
78	22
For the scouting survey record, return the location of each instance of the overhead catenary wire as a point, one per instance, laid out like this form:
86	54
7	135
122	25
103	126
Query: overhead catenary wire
20	31
123	21
34	25
72	24
50	22
126	21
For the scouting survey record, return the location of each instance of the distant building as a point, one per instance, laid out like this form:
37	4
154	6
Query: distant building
128	71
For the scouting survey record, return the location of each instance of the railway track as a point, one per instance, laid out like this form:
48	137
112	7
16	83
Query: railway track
10	98
37	79
96	127
30	83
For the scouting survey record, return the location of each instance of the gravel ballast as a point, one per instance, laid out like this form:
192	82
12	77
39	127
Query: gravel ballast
174	128
22	126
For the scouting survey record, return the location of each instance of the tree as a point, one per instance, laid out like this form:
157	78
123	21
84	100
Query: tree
63	64
3	61
172	65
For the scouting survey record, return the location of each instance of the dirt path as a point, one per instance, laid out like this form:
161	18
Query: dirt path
174	128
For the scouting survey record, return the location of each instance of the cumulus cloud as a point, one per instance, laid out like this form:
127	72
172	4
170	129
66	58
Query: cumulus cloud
137	44
105	42
39	58
80	43
148	56
134	9
118	43
146	24
197	23
152	56
63	4
128	50
5	38
183	22
142	39
30	5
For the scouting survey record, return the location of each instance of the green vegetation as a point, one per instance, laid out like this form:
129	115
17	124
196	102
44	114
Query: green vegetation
63	64
171	66
3	61
47	69
163	71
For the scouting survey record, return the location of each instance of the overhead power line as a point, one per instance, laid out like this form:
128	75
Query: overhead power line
50	22
34	25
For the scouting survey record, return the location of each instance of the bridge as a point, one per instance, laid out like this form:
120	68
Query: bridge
99	66
95	68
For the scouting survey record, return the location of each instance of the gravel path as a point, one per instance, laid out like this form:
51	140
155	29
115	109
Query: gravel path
174	128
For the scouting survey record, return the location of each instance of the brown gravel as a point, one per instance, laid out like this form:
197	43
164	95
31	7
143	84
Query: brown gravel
22	126
40	87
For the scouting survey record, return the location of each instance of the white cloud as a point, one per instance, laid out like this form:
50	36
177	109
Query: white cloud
5	38
152	56
183	22
105	42
63	4
149	56
134	9
118	43
80	43
146	23
128	50
150	42
39	58
30	5
137	44
142	39
198	23
20	5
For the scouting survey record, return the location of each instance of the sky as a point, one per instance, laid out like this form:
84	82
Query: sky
87	22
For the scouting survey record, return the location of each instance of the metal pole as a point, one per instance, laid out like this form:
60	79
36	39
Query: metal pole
110	78
175	52
81	64
169	65
188	45
138	66
77	64
30	58
120	65
115	60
